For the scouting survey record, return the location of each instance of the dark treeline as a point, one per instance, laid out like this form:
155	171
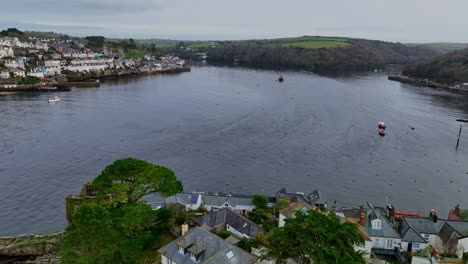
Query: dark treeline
449	68
359	54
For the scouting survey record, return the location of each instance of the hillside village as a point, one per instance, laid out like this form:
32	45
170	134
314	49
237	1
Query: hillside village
235	223
32	60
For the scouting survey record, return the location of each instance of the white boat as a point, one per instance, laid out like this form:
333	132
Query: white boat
54	100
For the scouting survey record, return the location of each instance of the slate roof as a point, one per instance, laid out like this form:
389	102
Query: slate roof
425	225
354	212
215	200
310	198
232	218
210	248
184	198
293	208
154	200
460	227
408	234
386	229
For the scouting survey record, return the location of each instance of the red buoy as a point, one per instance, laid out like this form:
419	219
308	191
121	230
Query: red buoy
382	125
382	132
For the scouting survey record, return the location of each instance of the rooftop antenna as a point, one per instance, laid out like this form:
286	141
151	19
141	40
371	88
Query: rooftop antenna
387	200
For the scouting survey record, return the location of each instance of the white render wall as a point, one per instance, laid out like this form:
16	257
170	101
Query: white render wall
385	243
366	248
462	247
404	246
164	260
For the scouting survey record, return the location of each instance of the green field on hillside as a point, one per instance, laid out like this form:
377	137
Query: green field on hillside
135	53
314	44
201	45
306	42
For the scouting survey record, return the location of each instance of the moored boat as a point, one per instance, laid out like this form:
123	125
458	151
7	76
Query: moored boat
382	132
54	99
382	125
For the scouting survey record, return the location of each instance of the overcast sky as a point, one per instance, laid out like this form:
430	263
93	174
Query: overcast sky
390	20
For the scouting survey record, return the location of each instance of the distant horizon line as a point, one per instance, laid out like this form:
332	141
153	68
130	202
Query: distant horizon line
232	39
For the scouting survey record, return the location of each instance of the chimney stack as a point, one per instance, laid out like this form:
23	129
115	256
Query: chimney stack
362	219
433	216
184	228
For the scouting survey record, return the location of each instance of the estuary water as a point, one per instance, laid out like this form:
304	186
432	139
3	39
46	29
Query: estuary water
238	130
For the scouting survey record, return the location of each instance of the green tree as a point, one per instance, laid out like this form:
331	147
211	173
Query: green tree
95	42
91	237
260	201
128	180
110	234
316	238
281	203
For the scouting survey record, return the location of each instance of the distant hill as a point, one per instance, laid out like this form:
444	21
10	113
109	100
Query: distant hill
318	53
448	68
13	33
442	47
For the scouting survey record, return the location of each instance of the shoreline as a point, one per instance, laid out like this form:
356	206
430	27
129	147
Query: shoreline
425	83
88	82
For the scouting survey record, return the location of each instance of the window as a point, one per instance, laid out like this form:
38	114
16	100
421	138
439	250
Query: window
230	255
376	224
416	246
192	256
426	236
181	250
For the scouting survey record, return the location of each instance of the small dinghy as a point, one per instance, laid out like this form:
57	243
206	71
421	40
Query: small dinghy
54	100
382	125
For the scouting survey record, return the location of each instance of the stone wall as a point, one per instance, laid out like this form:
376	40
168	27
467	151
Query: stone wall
40	249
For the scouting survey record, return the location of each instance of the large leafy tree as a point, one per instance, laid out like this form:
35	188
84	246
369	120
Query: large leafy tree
130	179
316	237
103	233
123	230
91	237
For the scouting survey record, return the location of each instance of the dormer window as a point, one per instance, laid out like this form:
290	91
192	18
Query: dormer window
181	250
376	224
193	257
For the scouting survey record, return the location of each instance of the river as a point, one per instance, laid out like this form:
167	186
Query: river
237	129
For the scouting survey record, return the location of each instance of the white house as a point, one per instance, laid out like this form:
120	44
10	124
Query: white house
52	63
5	42
18	73
4	75
191	201
14	64
37	74
6	52
454	237
418	233
381	231
52	70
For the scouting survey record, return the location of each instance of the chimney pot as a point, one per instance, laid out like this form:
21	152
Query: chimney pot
362	219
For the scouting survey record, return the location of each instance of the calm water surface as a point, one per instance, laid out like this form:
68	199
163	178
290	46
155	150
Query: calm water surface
234	129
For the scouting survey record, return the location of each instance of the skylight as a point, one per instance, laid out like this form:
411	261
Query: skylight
230	255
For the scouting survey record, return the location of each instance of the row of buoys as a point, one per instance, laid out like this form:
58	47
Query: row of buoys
382	128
